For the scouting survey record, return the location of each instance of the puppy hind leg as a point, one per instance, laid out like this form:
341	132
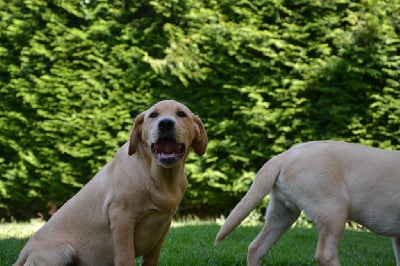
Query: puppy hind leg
330	232
66	254
60	255
396	249
278	220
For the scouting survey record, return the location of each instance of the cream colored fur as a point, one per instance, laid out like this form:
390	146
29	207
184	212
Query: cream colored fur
330	181
125	210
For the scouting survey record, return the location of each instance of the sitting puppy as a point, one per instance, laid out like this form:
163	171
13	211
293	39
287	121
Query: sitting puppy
125	211
331	182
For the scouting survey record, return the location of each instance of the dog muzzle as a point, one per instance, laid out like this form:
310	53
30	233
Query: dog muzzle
167	151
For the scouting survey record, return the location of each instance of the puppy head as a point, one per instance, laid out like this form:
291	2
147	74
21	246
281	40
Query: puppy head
168	129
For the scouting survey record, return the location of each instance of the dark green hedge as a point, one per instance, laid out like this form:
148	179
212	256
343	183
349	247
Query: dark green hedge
262	75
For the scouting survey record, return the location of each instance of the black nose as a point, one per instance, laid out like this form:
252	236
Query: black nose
166	124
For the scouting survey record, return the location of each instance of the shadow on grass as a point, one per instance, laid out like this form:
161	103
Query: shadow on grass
193	244
9	249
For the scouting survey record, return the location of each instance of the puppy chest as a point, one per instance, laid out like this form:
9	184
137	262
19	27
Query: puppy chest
149	231
166	202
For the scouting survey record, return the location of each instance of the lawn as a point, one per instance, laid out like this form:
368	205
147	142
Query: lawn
192	243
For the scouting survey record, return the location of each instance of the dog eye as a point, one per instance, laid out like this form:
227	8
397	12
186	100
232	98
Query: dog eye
153	114
181	114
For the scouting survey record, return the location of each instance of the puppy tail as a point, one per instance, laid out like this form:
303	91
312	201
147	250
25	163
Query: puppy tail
261	186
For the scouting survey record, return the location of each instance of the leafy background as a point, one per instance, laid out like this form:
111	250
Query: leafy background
263	75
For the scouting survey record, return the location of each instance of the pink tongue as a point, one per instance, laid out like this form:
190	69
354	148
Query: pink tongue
167	146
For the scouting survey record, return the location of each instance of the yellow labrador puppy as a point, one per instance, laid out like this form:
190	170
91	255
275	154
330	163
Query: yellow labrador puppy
125	211
331	182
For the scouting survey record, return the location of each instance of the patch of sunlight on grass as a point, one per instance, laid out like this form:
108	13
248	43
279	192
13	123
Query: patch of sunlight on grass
20	230
190	220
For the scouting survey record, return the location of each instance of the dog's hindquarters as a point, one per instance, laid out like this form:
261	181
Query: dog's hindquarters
59	255
261	186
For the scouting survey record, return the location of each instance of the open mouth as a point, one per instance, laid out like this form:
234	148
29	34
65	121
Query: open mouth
167	151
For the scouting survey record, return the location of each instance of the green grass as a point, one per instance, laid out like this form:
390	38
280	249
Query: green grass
13	237
192	243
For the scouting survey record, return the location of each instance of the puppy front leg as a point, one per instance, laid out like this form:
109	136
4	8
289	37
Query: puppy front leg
122	231
151	258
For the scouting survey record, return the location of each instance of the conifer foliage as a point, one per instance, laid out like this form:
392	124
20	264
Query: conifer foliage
262	75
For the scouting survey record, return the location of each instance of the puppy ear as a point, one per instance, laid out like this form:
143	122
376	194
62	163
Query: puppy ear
136	134
200	141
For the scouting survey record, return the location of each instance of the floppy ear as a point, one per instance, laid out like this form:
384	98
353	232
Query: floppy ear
136	134
199	143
